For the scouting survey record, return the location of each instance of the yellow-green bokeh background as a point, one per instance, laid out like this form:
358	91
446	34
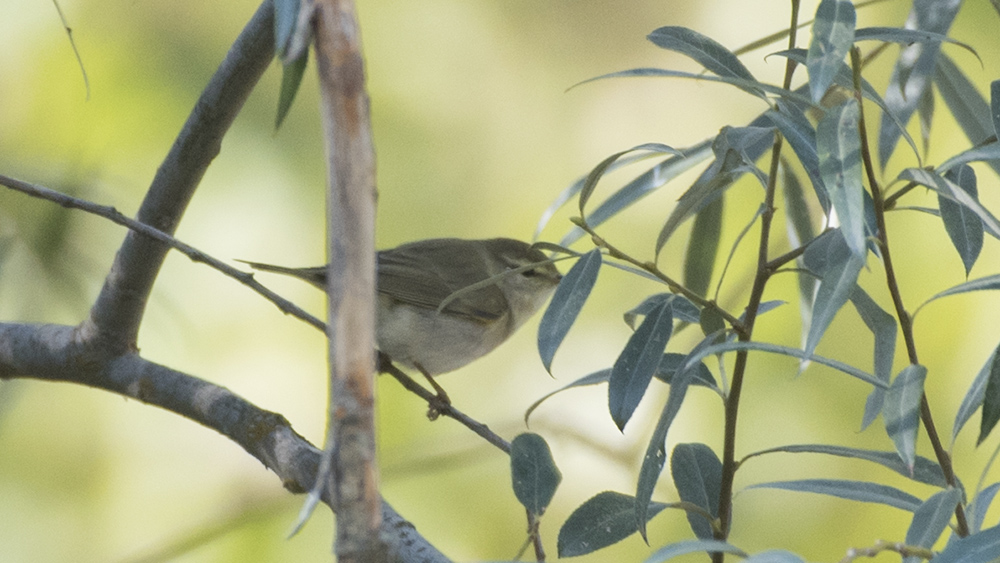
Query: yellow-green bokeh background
475	134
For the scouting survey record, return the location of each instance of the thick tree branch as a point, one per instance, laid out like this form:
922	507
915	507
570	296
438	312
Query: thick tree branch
350	156
117	314
53	353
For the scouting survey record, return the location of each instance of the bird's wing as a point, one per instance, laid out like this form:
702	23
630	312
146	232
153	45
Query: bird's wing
410	274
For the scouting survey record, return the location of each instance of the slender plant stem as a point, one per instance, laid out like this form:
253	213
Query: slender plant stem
764	272
905	320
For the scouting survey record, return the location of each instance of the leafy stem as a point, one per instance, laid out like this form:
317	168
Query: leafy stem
905	320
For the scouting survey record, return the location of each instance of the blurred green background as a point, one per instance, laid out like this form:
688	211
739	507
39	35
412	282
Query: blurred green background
476	135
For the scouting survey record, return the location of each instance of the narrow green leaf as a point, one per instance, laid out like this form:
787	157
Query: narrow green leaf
703	247
665	372
800	231
964	227
637	362
733	148
989	283
291	79
683	309
656	451
995	106
964	100
533	472
832	37
977	548
908	36
979	505
911	76
605	519
925	113
796	129
883	327
990	153
774	556
590	182
568	300
697	474
901	411
851	490
924	470
643	185
839	149
751	86
950	190
705	50
784	350
286	16
670	551
991	401
974	396
837	281
931	518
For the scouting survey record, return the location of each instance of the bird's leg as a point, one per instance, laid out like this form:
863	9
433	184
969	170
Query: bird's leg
441	399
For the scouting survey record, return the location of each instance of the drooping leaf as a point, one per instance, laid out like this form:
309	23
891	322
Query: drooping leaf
966	104
924	470
656	451
901	411
912	74
832	37
800	231
838	277
883	327
862	491
964	227
796	129
291	79
964	101
950	190
839	149
925	113
534	474
908	36
286	16
637	362
605	519
976	548
930	519
568	300
699	259
676	549
697	474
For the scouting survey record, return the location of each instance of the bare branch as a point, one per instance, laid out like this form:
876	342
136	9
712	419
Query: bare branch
350	155
117	314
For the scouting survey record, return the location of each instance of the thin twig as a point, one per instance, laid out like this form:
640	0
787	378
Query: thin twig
115	216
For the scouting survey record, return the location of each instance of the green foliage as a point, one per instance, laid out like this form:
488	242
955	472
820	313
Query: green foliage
819	131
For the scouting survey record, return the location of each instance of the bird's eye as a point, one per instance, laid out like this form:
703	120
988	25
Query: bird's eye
530	273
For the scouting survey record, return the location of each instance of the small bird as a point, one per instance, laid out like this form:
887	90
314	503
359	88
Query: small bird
414	279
